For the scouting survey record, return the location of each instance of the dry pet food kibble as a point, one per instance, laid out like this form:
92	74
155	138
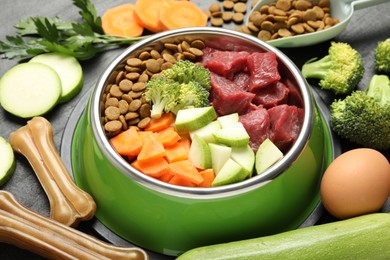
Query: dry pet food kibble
123	103
227	11
286	18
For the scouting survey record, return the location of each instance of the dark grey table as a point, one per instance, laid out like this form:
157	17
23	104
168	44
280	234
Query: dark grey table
367	27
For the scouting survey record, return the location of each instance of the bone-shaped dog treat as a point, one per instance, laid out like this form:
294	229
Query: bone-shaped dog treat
68	203
26	229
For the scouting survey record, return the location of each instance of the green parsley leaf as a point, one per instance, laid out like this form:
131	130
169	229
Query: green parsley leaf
88	13
81	40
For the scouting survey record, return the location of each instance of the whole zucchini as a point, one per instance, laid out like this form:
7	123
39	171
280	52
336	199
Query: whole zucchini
363	237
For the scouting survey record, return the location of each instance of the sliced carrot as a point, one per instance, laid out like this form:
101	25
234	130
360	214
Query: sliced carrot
168	136
178	151
208	178
144	135
165	121
179	14
186	170
120	21
147	13
167	176
177	180
127	143
151	150
154	168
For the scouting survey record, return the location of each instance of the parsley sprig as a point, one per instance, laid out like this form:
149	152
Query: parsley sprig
83	40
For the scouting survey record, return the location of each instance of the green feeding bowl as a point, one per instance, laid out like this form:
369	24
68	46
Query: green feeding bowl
171	219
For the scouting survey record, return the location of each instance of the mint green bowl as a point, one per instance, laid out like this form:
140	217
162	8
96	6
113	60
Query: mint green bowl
170	219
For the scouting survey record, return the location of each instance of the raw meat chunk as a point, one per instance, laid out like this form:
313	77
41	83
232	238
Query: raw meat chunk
263	69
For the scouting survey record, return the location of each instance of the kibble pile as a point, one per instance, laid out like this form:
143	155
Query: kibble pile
283	18
123	103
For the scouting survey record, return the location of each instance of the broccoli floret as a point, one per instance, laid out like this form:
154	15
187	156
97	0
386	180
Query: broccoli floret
340	71
185	71
363	117
192	94
184	85
382	57
163	93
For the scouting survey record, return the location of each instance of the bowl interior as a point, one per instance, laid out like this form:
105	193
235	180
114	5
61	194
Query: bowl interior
223	40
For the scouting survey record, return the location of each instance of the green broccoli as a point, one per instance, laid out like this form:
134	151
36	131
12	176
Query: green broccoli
192	94
185	71
363	117
382	57
340	71
163	93
184	85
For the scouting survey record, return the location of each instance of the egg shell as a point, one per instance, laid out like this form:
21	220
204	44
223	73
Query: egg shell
355	183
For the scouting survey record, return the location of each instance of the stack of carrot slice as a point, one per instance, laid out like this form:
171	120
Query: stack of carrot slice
153	15
160	152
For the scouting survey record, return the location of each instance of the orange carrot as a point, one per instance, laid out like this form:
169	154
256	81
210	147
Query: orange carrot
179	14
186	170
151	150
168	136
161	123
154	168
144	135
127	143
178	151
147	13
177	180
208	178
166	177
120	21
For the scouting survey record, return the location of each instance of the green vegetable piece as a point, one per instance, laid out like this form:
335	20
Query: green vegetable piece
185	71
191	94
163	93
187	81
219	156
80	40
229	119
245	156
363	117
68	69
206	132
382	57
200	154
267	155
7	161
340	71
30	89
363	237
191	119
232	135
231	172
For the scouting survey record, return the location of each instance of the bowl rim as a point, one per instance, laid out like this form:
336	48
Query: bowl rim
192	192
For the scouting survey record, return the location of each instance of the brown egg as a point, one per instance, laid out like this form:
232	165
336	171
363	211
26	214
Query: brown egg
355	183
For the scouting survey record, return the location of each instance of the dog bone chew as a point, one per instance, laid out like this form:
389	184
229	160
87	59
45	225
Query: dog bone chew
68	203
28	230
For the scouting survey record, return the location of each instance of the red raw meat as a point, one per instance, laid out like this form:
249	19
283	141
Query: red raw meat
226	63
271	95
263	69
227	97
241	79
257	124
207	51
286	122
